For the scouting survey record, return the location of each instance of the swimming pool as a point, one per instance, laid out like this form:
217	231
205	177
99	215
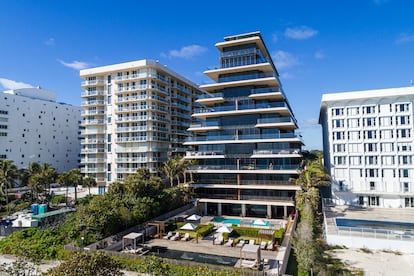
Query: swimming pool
375	224
193	256
251	223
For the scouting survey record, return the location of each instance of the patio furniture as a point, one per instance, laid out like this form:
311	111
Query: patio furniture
263	245
186	237
252	242
175	237
229	242
218	240
269	246
168	236
240	243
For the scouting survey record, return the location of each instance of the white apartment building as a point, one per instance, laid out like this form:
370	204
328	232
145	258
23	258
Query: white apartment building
36	128
368	146
134	114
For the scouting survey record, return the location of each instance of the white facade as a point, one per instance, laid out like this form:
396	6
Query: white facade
135	114
368	146
35	128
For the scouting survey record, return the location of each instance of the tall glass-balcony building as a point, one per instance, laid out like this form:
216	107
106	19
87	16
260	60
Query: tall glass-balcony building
244	145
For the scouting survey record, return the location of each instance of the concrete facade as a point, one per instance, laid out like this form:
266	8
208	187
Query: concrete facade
36	128
368	146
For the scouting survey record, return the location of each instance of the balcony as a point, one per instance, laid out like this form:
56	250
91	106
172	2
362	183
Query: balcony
94	102
93	112
206	126
219	139
93	82
92	141
273	152
132	160
280	122
141	118
93	170
92	160
236	109
92	150
92	122
204	154
248	168
99	92
244	197
274	93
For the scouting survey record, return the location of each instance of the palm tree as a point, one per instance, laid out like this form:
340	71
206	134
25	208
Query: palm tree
89	182
63	179
8	174
75	179
48	175
313	175
170	170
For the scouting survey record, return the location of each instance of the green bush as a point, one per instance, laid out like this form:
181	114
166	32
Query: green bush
58	199
204	230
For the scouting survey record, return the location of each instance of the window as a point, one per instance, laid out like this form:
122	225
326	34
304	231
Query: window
337	111
338	123
369	109
373	200
339	148
371	172
370	147
405	160
369	122
354	135
353	123
353	111
385	121
405	187
409	202
403	120
355	160
403	133
372	185
402	107
340	160
371	160
370	134
361	200
403	172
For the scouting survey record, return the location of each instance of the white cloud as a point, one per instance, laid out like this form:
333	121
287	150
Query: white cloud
286	75
312	121
50	41
404	38
319	55
284	59
301	32
77	65
11	84
186	52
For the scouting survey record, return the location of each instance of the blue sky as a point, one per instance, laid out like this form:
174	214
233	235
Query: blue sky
318	46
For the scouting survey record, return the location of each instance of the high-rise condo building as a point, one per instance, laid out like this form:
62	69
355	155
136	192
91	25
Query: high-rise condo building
36	128
368	146
134	115
244	141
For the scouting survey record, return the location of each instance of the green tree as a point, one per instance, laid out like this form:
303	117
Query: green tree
8	175
89	182
88	264
75	179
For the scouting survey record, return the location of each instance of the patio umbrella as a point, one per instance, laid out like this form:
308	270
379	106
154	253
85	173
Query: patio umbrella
259	222
194	217
188	226
225	229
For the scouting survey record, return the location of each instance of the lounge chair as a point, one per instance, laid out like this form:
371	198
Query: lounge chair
248	263
186	237
252	242
175	237
269	246
219	240
240	243
229	242
168	236
263	245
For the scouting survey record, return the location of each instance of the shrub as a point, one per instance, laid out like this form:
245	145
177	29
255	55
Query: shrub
204	230
58	199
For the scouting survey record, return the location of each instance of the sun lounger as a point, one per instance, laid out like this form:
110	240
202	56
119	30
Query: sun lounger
229	242
186	237
175	237
263	245
240	243
248	263
168	236
218	240
269	246
252	242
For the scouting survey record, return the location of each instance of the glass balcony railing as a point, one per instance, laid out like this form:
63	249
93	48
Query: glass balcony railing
275	120
266	90
96	102
206	124
93	82
241	107
277	151
244	197
93	93
243	167
246	77
244	137
213	95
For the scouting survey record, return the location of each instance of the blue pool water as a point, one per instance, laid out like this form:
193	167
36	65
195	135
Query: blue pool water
374	224
238	222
